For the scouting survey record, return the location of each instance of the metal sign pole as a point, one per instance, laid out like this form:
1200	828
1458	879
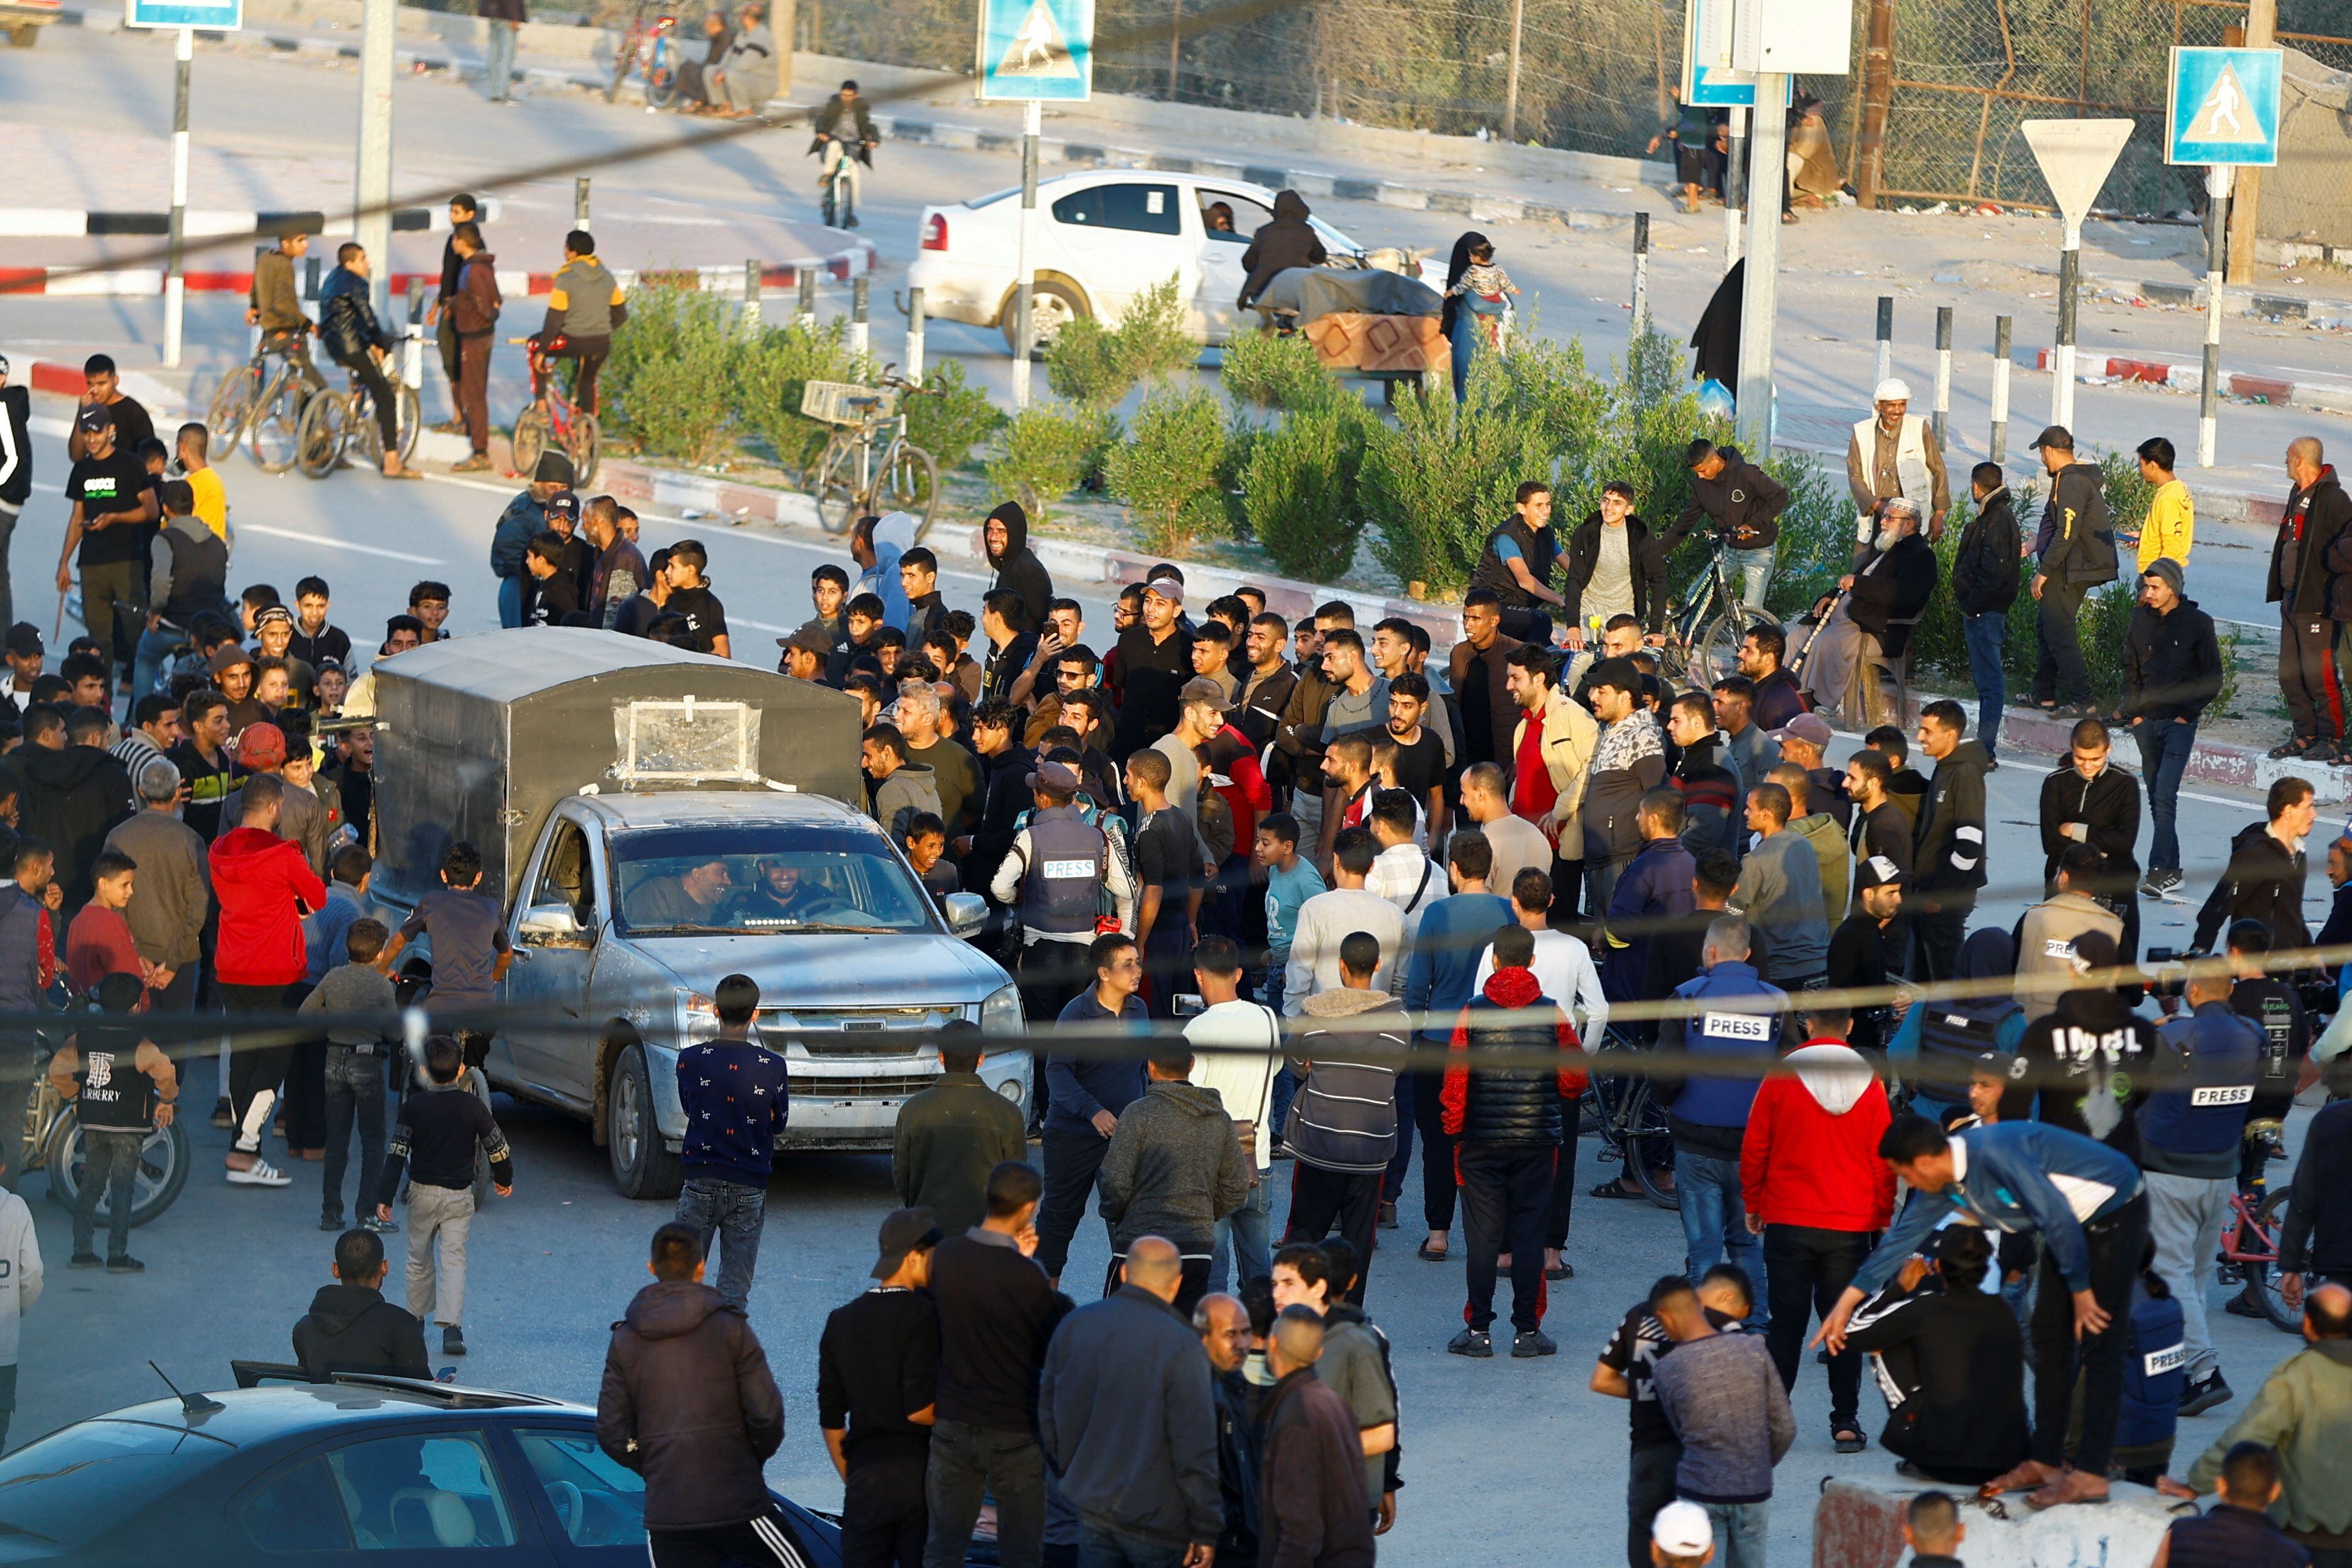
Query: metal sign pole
2209	393
2062	359
1025	325
1735	186
1997	448
1761	295
175	285
1943	372
372	229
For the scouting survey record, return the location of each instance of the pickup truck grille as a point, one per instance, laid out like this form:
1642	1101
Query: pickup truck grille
854	1031
899	1087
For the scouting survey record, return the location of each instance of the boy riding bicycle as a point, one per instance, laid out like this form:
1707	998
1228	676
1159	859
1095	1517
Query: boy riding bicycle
358	343
275	305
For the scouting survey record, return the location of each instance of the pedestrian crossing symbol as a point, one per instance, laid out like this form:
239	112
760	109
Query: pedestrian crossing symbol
2224	107
1036	48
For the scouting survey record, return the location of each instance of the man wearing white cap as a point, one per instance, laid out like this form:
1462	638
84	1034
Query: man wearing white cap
1681	1537
1894	453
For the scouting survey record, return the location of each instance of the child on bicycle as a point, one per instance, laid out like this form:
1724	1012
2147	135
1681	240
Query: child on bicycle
122	1088
347	325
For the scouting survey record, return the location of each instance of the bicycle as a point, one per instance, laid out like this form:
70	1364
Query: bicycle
2250	1242
554	419
1705	633
1631	1121
51	1140
650	49
334	422
262	403
850	482
836	183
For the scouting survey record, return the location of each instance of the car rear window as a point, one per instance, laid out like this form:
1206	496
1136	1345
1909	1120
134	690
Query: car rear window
1139	209
70	1488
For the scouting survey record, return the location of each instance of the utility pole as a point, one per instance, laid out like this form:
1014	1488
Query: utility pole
1877	92
373	197
2262	33
1761	298
1025	324
1511	92
1175	44
1735	183
175	285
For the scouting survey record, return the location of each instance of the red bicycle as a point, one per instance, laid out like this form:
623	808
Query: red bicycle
649	48
553	419
2249	1241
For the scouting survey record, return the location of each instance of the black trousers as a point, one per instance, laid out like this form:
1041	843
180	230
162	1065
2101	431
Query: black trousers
1351	1200
1506	1201
1566	893
1649	1487
1528	625
1563	1180
2061	672
970	1465
1937	935
1073	1161
1437	1186
2309	678
754	1544
381	398
884	1513
1805	1272
2116	1243
255	1071
1050	975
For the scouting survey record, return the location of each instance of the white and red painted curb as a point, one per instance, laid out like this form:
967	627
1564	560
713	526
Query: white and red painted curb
854	261
76	223
2332	396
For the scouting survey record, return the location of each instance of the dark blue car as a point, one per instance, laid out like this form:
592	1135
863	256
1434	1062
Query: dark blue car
360	1471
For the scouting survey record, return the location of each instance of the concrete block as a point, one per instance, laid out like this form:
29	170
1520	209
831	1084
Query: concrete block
1497	209
1259	175
1305	182
1442	201
1858	1523
963	136
1349	190
1406	196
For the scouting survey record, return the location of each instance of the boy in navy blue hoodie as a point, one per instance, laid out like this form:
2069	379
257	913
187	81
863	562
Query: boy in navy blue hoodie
737	1098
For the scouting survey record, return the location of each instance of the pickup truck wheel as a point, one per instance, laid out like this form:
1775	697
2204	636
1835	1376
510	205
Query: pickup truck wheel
641	1167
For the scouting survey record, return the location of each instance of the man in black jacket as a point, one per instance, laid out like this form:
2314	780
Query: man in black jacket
1984	586
1948	853
2265	879
2076	545
350	1327
354	340
876	1393
15	470
1951	1363
2088	801
1613	566
1743	504
1517	565
2308	549
2172	670
688	1402
2315	1245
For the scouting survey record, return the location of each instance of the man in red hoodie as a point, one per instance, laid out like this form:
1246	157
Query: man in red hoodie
1817	1192
1511	1125
265	886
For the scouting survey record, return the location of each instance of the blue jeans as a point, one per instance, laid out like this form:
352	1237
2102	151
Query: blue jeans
1105	1546
147	659
354	1096
2164	748
1754	568
498	72
1715	1222
1739	1534
510	603
1985	635
1250	1229
735	1213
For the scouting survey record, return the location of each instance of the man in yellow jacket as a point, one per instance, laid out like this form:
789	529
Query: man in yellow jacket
2172	522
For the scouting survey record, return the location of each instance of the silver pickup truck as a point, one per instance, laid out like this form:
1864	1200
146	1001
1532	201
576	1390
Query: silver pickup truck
651	821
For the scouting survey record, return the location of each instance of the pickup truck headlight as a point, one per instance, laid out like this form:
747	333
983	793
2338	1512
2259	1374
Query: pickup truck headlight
698	1018
1000	1014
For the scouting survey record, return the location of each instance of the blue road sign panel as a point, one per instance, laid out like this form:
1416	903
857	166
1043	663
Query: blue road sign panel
1719	87
1036	48
212	16
2223	107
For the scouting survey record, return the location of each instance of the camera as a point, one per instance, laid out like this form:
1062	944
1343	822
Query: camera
2169	978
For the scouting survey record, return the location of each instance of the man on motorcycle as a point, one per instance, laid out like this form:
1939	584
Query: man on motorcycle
355	340
845	137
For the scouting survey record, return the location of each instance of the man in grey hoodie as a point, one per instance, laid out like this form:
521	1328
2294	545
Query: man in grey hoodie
1779	891
1342	1130
1173	1169
898	791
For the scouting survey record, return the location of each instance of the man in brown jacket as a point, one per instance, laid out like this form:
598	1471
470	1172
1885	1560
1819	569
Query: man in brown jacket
1478	669
688	1402
1312	1512
474	310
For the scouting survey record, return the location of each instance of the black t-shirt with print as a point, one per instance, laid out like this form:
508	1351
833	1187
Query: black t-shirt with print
706	617
117	482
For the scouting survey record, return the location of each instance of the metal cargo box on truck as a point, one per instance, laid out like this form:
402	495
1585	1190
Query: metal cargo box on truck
479	737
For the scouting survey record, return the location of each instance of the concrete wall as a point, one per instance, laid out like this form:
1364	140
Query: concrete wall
2307	199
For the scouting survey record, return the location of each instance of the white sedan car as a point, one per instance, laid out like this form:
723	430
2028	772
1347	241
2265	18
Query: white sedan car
1101	239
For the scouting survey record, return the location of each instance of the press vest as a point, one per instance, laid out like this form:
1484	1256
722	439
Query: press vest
116	1097
1953	1034
1512	1105
2209	1116
1059	889
1910	458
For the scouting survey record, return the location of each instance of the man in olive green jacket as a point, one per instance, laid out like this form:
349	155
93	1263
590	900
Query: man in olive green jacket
952	1134
2303	1412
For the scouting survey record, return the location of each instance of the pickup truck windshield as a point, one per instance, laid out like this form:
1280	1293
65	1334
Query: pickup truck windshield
763	879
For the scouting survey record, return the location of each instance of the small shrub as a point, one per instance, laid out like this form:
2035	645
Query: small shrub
1168	470
1090	364
1048	450
1439	480
1271	371
666	382
774	366
1298	491
951	416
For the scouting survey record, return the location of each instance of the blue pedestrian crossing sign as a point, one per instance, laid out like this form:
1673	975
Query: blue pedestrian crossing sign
2224	107
1036	48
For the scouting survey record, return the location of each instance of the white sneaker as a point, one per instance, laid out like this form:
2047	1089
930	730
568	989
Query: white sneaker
261	1174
